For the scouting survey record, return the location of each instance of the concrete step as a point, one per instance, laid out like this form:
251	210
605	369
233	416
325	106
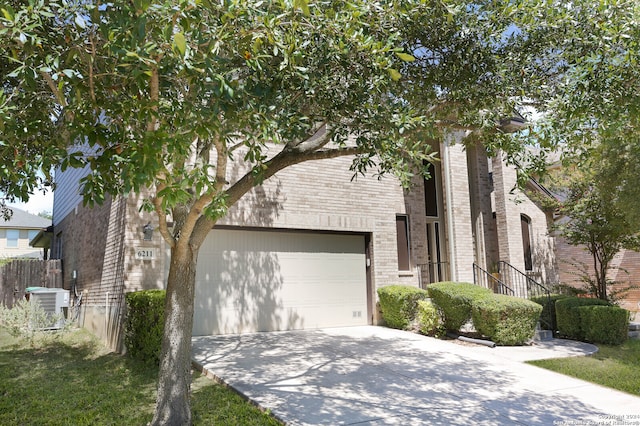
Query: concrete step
542	335
634	326
634	334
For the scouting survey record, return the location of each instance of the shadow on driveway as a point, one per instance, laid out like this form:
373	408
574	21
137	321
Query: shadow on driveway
379	376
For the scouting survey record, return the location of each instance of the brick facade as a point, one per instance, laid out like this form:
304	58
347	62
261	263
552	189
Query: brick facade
100	244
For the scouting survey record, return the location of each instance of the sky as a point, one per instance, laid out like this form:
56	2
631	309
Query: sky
37	203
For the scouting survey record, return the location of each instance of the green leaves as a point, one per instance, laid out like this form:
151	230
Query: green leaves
394	74
180	43
405	57
302	5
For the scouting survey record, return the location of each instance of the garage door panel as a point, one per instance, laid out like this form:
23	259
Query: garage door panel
262	281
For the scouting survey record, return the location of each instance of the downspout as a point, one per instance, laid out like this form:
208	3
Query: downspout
106	317
449	197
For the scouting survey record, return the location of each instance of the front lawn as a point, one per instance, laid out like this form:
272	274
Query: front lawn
617	367
70	379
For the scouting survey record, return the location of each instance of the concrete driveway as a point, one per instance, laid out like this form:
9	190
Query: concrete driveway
379	376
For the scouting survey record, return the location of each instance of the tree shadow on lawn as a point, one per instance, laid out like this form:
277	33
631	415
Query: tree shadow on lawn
74	380
60	383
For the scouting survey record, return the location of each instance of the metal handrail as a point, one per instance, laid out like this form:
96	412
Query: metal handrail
526	287
487	280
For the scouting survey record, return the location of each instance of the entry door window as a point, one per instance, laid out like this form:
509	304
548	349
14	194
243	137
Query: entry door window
437	265
525	223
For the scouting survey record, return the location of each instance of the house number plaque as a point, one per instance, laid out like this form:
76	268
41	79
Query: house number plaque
145	253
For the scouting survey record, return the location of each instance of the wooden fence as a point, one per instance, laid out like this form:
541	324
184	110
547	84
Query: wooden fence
17	275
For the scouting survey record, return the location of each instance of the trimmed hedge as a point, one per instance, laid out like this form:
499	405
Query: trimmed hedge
455	300
399	304
604	324
568	317
549	310
144	325
506	320
429	319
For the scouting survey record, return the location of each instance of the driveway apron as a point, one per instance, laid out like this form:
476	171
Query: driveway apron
379	376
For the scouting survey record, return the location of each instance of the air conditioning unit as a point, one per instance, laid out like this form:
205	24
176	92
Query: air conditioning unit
54	302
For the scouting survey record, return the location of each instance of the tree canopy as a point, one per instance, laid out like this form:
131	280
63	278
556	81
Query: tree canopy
167	97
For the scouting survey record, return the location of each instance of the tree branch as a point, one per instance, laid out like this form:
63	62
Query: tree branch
52	85
318	140
154	97
162	218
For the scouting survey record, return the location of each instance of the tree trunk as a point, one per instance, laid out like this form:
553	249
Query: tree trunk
174	380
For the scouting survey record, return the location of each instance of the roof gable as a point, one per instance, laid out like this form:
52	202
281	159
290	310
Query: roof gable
22	219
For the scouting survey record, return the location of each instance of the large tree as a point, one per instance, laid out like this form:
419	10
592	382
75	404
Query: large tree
591	218
594	110
167	97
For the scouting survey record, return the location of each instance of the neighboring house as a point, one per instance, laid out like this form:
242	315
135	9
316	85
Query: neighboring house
311	246
575	264
576	261
17	232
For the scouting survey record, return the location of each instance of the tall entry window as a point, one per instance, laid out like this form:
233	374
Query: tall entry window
525	223
437	267
431	193
402	231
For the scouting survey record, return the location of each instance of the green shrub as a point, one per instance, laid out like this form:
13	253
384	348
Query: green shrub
429	319
549	309
604	324
506	320
399	304
568	317
455	300
144	324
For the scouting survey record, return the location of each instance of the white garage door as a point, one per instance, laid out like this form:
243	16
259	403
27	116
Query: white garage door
251	281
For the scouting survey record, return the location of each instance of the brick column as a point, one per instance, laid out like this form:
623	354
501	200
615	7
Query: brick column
507	214
458	209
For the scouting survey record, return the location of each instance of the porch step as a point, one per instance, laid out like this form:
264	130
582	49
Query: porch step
542	335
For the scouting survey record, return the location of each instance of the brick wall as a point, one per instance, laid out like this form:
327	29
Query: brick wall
457	204
323	196
510	204
101	243
574	260
484	224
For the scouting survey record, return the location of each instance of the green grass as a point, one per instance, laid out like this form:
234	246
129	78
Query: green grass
617	367
71	379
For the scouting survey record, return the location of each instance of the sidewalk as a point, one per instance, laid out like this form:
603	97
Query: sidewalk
380	376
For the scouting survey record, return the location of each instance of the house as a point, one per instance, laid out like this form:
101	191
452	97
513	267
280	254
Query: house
296	256
576	264
576	261
17	232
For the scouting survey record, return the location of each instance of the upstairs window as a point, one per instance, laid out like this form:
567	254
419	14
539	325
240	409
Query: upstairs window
431	193
12	238
402	230
525	223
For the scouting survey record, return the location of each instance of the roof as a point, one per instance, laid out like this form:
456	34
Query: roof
43	238
24	220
